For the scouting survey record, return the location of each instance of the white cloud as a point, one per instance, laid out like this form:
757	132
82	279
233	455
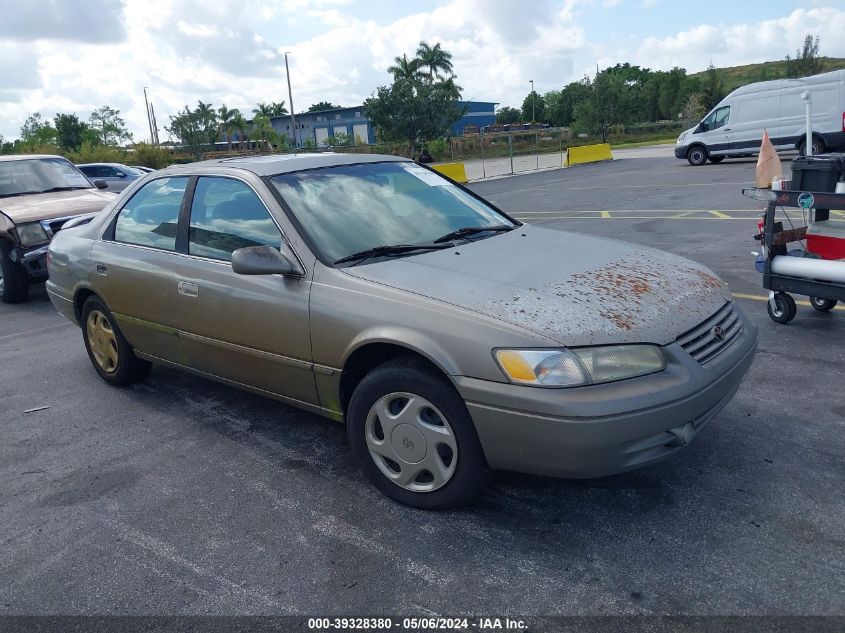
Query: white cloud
221	51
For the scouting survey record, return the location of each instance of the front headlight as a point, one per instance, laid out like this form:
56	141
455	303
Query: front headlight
32	233
580	366
682	137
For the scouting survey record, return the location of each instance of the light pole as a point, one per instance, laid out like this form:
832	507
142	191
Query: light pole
149	120
290	97
532	101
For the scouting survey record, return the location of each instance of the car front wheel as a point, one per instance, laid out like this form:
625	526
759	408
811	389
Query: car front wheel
413	437
14	282
110	353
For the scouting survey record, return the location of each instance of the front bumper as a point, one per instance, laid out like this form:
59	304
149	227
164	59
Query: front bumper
605	429
680	151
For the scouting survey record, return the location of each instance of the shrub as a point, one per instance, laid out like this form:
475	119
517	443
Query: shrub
150	156
88	153
438	148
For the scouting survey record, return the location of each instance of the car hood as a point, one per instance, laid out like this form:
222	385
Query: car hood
569	287
60	204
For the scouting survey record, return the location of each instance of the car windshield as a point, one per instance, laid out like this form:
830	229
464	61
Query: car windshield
353	208
38	175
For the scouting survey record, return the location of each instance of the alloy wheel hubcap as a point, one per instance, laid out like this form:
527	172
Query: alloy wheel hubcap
102	341
411	442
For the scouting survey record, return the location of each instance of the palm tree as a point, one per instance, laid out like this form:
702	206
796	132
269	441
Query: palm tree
263	130
405	68
262	109
240	124
227	122
207	117
278	109
435	59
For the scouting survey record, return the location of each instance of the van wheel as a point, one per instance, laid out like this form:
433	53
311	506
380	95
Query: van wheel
818	146
413	437
14	282
697	156
716	159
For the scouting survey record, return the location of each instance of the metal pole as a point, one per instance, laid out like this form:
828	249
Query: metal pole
532	101
537	147
808	144
155	124
149	120
290	97
510	149
483	166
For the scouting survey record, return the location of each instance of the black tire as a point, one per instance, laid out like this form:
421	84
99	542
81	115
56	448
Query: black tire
823	305
818	146
411	376
716	159
785	309
128	368
14	281
697	155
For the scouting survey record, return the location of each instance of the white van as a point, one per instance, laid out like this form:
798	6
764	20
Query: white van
735	126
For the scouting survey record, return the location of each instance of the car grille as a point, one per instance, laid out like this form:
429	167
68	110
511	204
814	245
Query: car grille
702	342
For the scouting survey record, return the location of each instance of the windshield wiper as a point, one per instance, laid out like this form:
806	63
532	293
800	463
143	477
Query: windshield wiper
471	230
19	193
54	189
395	249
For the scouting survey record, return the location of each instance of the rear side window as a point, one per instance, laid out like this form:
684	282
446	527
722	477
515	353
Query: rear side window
227	215
89	170
151	215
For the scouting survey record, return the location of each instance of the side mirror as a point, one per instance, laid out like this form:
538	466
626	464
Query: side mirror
264	260
101	184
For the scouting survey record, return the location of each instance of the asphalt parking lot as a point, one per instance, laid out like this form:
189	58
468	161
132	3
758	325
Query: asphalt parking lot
181	496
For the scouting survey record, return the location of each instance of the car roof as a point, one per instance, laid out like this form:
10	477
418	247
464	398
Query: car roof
28	157
96	164
272	164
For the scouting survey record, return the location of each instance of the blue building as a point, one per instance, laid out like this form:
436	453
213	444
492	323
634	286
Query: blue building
351	122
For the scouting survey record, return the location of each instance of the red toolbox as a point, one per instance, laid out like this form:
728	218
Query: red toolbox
827	239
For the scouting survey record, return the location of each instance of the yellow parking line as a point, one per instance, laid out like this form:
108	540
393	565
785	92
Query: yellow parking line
605	214
720	215
800	302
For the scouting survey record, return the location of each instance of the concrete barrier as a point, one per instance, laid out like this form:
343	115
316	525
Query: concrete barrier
587	154
455	171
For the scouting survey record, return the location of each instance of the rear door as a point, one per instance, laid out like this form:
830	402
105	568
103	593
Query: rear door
135	266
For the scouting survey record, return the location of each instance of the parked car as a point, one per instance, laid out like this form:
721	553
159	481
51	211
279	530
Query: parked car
115	175
142	168
449	337
735	126
38	195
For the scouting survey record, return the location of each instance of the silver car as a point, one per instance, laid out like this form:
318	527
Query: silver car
116	176
448	337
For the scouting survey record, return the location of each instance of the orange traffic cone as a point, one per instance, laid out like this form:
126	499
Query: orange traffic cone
768	163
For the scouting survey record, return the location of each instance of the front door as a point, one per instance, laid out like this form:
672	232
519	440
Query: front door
252	329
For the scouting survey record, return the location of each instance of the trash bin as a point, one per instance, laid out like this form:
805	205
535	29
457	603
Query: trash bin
820	172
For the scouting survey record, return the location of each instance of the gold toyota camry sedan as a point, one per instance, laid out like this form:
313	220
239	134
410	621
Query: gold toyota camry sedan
448	337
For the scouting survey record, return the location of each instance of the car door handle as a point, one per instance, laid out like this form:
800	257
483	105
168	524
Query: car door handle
727	129
102	269
188	289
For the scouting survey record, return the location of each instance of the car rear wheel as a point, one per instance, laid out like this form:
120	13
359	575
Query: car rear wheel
413	437
697	156
14	282
110	353
818	146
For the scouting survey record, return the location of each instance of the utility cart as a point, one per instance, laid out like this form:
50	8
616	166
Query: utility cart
821	276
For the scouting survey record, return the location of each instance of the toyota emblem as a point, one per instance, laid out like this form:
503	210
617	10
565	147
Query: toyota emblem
718	333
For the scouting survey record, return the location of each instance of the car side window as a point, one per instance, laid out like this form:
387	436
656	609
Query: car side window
152	214
88	170
227	215
107	171
721	117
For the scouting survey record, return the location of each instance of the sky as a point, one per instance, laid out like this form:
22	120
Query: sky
73	56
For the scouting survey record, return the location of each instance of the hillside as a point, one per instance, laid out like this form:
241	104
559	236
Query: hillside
736	76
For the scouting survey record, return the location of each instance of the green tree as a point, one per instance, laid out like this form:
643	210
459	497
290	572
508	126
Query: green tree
434	59
262	130
807	61
262	109
533	107
278	109
241	125
70	132
506	114
560	105
693	110
226	118
110	127
322	105
208	122
405	69
714	89
414	109
606	105
37	131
